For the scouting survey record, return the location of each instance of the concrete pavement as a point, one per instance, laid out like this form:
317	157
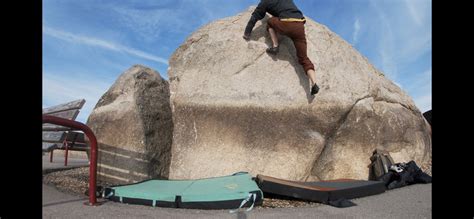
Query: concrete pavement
407	202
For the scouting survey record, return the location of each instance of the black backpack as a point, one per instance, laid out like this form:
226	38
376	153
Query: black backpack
381	161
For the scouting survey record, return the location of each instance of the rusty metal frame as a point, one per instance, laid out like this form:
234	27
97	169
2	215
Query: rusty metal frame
93	151
65	144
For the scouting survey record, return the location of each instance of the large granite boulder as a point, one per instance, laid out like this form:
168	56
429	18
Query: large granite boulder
236	108
133	125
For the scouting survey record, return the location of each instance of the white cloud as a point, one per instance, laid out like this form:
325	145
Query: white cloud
153	23
171	18
414	11
386	52
421	81
405	33
386	44
414	45
414	35
423	102
100	43
421	89
355	34
61	88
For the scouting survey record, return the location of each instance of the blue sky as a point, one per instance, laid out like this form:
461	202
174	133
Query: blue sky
87	44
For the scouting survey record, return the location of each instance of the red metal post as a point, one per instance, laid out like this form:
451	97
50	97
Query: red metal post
65	153
93	141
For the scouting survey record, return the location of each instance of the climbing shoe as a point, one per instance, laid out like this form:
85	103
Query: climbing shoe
314	89
273	50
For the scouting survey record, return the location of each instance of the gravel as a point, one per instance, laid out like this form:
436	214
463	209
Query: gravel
76	181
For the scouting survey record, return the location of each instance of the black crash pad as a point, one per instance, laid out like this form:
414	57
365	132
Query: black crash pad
321	191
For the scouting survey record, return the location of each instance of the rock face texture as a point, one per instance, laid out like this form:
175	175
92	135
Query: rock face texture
133	125
236	108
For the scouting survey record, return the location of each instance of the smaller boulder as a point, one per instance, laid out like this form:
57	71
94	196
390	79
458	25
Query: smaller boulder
133	125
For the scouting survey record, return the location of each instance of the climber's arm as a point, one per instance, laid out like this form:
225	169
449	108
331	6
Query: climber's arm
257	15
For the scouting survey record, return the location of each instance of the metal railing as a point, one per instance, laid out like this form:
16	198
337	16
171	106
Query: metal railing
93	151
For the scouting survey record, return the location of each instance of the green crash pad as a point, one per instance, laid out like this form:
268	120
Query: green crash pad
225	192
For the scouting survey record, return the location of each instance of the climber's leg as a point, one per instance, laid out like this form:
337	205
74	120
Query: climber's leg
298	36
274	36
273	27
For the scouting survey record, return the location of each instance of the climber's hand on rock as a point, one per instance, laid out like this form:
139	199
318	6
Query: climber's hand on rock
247	37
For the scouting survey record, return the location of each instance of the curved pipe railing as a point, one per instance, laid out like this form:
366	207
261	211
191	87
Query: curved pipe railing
93	144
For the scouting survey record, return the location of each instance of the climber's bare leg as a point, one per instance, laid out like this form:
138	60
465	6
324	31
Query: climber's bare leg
274	36
312	76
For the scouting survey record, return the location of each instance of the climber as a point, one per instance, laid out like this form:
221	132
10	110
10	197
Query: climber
287	20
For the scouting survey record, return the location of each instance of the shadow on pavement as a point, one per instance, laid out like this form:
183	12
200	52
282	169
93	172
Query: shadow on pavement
64	202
